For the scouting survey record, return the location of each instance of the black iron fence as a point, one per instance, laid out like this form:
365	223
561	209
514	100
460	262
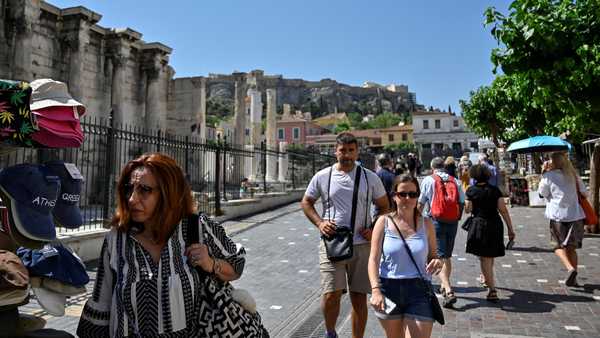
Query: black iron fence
215	169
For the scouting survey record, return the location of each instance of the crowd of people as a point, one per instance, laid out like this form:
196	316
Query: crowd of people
410	234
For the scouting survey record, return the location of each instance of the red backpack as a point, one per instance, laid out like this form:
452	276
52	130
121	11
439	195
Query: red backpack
444	206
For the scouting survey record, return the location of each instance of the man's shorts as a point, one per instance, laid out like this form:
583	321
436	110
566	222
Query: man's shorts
566	234
445	233
350	274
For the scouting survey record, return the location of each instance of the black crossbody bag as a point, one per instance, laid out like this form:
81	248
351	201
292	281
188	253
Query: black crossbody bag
340	246
438	313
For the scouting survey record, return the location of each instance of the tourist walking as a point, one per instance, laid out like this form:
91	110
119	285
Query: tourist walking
386	174
450	166
399	298
154	279
559	186
411	163
346	191
485	230
463	171
442	200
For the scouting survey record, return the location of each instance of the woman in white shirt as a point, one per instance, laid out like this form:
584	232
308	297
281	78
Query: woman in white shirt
559	186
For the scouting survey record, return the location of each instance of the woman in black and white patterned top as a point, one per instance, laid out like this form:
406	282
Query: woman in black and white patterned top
151	280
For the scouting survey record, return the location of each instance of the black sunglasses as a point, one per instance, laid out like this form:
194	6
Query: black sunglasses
411	194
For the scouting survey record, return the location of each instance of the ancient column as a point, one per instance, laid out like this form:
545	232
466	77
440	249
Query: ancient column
155	56
24	15
283	162
239	135
118	51
201	116
271	133
256	108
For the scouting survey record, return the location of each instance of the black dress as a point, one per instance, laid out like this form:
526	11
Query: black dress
486	234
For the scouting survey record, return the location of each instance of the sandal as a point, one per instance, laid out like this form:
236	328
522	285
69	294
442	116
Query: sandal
449	298
492	296
482	282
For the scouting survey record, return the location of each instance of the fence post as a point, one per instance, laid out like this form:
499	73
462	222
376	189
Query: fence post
159	135
225	168
293	178
263	147
217	185
187	155
108	169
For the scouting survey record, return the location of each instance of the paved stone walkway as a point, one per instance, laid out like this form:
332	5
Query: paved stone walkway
282	274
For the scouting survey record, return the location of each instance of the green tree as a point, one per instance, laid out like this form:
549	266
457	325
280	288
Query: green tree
549	51
386	120
342	127
402	147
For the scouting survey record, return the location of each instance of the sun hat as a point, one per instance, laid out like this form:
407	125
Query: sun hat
54	261
11	297
13	274
51	140
9	226
52	302
49	93
66	212
32	195
57	286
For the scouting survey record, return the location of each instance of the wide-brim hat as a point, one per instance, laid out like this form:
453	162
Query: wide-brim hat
13	297
66	211
51	93
52	302
67	129
13	274
57	286
55	261
51	140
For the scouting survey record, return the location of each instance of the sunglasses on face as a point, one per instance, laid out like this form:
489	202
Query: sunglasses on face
142	190
404	194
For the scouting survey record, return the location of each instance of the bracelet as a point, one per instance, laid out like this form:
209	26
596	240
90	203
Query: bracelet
376	287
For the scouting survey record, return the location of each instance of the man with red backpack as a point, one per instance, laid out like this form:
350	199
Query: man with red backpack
442	200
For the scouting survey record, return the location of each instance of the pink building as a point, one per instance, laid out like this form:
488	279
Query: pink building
294	129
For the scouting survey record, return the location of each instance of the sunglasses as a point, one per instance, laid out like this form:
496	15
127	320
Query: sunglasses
142	190
404	194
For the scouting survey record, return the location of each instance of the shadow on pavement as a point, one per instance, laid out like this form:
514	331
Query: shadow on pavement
532	249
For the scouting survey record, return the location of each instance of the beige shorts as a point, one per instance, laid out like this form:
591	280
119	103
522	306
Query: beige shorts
350	274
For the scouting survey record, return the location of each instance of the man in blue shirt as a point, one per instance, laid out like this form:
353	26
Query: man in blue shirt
386	174
445	232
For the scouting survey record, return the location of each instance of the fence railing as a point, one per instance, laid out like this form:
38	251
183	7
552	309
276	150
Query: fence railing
214	169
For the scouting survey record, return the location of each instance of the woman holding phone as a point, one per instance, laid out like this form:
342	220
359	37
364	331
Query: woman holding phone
399	297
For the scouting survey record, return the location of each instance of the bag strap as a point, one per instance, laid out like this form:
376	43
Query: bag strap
355	197
194	233
367	204
328	194
407	247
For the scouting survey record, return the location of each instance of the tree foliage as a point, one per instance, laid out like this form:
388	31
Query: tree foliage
549	54
342	127
402	147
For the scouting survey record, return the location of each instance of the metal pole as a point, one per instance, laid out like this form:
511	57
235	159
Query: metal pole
225	168
263	147
217	185
109	180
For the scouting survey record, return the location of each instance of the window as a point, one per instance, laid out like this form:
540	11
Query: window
425	124
296	133
404	137
281	134
438	124
391	137
455	123
474	146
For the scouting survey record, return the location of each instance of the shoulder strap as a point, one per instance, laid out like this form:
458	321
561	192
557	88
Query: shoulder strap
355	197
407	247
328	193
193	233
367	204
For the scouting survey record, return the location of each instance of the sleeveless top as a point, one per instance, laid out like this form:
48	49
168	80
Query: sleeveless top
395	262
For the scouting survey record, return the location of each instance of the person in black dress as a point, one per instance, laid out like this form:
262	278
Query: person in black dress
486	233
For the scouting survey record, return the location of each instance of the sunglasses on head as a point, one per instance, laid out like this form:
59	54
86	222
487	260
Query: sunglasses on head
404	194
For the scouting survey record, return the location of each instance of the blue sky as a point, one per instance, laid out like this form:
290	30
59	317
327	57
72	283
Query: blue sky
440	48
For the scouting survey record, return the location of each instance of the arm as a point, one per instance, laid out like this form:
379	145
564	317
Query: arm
544	188
434	263
327	227
95	318
383	205
377	300
506	216
582	188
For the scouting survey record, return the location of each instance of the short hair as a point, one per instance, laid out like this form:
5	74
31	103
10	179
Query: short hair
175	200
483	158
345	138
480	173
437	163
383	159
449	160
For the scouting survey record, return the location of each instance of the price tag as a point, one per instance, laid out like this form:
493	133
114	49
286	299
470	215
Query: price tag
73	171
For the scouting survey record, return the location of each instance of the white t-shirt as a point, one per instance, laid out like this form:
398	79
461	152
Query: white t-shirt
561	196
342	188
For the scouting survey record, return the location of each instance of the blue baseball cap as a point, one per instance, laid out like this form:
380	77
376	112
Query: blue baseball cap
66	212
55	261
32	196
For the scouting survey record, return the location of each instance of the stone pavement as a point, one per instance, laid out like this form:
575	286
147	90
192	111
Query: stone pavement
282	274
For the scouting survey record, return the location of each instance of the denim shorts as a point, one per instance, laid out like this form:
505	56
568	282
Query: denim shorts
445	233
410	297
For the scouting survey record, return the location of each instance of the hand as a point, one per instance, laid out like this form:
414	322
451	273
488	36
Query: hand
327	228
198	255
377	300
547	166
366	233
434	266
511	234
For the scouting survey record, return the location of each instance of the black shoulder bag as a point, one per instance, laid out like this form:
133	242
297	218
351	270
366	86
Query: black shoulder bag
438	313
340	246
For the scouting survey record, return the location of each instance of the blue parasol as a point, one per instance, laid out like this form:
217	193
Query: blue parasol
539	144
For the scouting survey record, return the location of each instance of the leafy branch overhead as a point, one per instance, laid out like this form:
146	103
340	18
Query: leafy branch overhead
549	56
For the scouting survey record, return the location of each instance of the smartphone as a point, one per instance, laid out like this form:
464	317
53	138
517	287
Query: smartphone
389	306
510	244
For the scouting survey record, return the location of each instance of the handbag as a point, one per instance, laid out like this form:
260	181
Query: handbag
467	223
340	246
590	214
438	313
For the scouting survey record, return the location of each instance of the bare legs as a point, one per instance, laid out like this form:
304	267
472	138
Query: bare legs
408	328
330	304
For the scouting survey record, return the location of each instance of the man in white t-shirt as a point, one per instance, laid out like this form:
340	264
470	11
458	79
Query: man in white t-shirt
336	195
